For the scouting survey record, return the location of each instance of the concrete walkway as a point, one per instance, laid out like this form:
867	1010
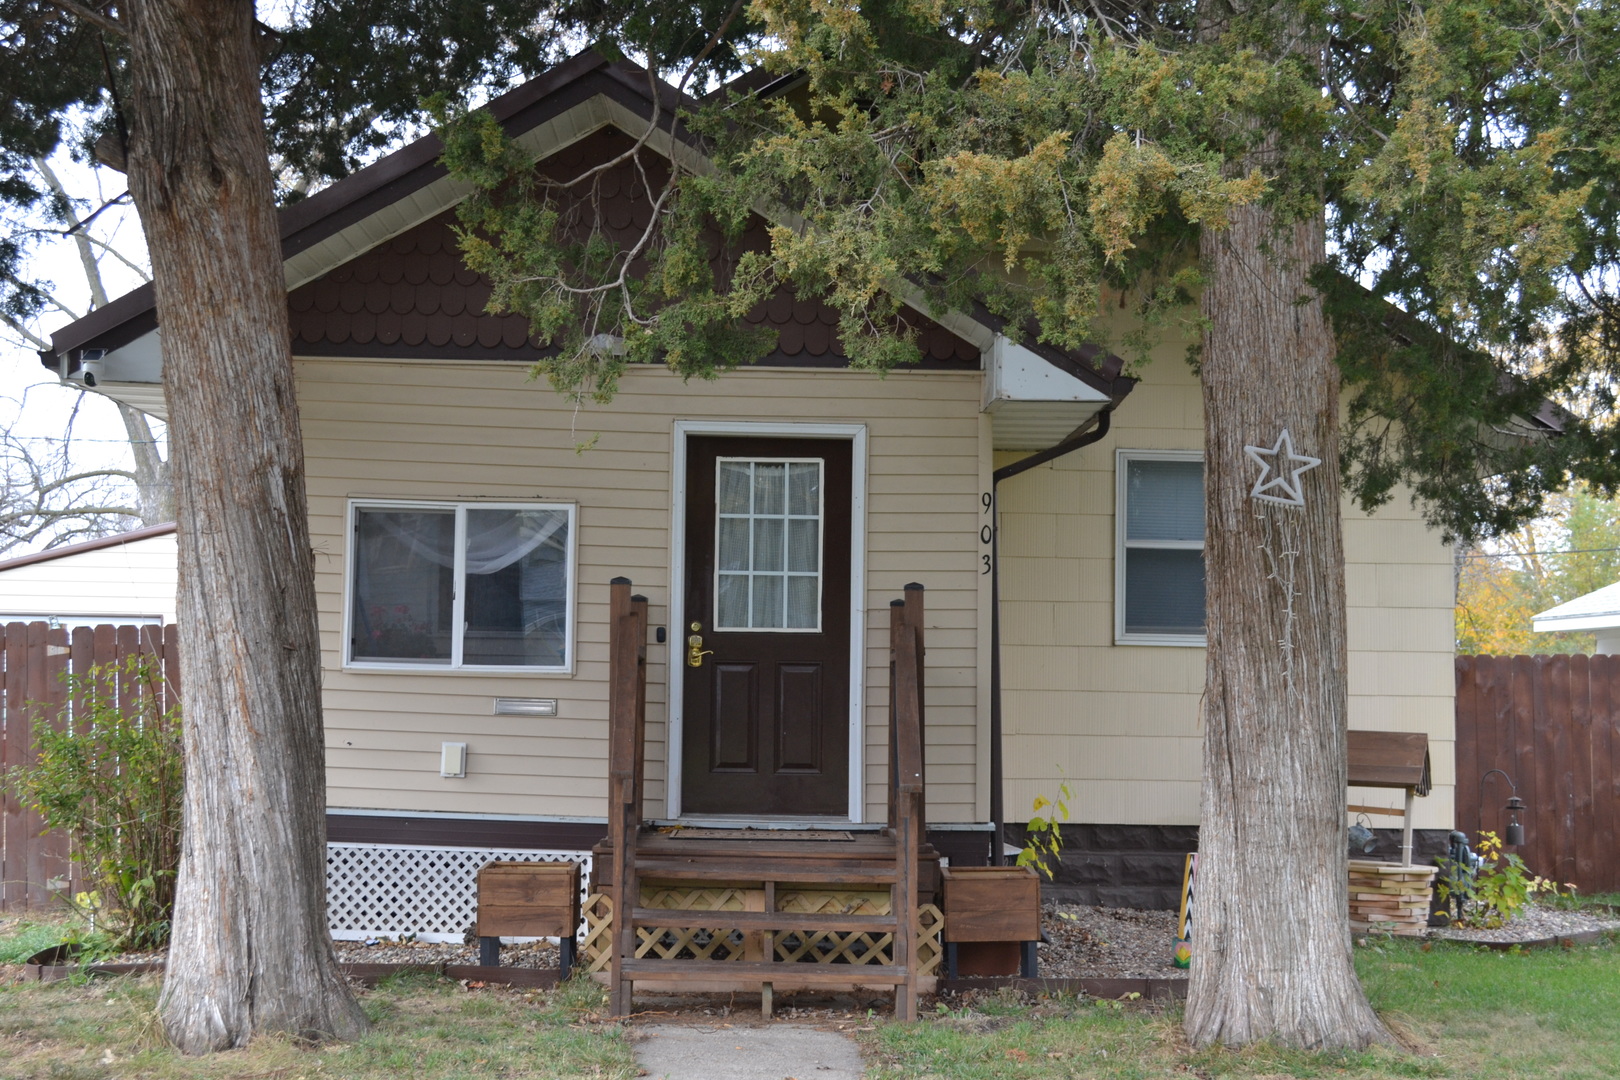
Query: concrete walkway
776	1052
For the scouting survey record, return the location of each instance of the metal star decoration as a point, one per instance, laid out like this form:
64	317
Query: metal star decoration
1283	467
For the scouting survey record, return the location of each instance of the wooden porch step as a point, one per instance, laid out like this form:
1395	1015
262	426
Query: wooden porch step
680	919
821	871
754	972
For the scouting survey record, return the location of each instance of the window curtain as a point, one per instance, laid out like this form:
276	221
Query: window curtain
495	538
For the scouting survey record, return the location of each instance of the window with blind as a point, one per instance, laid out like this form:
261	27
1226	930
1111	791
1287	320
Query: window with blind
1159	561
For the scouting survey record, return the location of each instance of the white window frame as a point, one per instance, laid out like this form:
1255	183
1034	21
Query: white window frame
459	574
1122	459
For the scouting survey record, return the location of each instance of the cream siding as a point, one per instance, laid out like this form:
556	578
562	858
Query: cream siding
1120	722
483	431
124	581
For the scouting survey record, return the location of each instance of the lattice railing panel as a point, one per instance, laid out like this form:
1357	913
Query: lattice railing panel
833	902
820	947
595	948
391	890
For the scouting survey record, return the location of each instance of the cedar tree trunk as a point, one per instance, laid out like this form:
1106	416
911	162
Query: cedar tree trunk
250	952
1272	951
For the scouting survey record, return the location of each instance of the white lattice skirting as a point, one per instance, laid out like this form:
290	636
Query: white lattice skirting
391	890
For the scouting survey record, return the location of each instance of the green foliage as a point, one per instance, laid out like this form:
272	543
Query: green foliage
1043	836
1573	549
111	777
602	303
1498	888
21	938
1048	161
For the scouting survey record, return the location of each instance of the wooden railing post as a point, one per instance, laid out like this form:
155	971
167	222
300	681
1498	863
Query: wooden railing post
627	693
914	623
906	788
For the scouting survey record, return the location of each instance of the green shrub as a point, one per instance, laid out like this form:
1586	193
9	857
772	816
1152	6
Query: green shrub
109	774
1500	886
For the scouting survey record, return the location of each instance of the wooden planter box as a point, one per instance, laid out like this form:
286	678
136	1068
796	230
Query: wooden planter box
527	899
992	920
1388	896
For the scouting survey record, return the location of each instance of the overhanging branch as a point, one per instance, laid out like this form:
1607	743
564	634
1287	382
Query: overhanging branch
91	16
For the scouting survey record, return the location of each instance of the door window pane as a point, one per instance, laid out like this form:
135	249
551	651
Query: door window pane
404	594
768	544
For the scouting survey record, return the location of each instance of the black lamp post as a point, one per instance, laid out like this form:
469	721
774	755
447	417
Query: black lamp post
1513	835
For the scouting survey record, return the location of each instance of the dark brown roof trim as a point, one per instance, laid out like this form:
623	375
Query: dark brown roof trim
306	223
117	540
386	181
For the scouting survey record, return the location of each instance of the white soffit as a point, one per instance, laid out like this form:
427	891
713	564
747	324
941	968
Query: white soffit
1597	610
1032	403
133	374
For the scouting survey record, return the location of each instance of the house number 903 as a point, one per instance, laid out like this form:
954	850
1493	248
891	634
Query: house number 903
987	531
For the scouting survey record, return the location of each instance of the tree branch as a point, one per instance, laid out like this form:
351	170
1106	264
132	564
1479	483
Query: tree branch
91	16
23	332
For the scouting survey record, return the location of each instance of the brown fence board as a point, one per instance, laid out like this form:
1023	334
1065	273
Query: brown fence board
14	828
1552	723
171	666
33	661
1584	782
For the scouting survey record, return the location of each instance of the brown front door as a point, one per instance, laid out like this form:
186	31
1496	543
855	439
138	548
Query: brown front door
767	590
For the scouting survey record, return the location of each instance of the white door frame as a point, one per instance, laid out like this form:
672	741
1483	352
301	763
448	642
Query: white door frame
856	434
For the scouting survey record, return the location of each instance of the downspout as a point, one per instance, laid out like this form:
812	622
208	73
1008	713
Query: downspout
1091	431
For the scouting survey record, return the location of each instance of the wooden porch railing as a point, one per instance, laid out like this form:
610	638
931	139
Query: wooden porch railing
627	736
626	756
906	783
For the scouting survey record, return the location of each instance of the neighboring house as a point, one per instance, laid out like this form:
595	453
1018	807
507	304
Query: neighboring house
464	549
1598	610
127	579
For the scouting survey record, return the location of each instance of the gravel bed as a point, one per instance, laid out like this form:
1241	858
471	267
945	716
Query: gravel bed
1110	943
1534	922
537	954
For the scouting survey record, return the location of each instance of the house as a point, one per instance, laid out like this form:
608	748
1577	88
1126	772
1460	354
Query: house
464	551
126	579
1598	610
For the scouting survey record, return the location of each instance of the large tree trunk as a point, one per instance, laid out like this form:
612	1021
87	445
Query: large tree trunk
1271	934
250	951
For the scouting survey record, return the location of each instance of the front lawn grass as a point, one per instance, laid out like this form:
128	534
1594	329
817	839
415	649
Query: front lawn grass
21	936
423	1027
1458	1011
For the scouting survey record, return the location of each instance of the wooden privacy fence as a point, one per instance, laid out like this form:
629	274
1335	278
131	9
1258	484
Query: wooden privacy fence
1552	723
34	658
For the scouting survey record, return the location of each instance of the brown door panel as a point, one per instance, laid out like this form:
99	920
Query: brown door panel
767	714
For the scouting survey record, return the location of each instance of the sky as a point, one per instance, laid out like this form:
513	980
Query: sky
35	399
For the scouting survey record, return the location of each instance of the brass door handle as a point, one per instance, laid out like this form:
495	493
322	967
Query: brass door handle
695	652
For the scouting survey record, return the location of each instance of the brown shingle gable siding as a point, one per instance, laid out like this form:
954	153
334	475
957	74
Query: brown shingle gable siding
413	297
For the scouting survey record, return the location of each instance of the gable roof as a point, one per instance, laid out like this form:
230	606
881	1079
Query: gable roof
1597	610
115	540
403	200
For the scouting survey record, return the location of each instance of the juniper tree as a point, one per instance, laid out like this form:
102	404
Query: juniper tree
1186	159
178	93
